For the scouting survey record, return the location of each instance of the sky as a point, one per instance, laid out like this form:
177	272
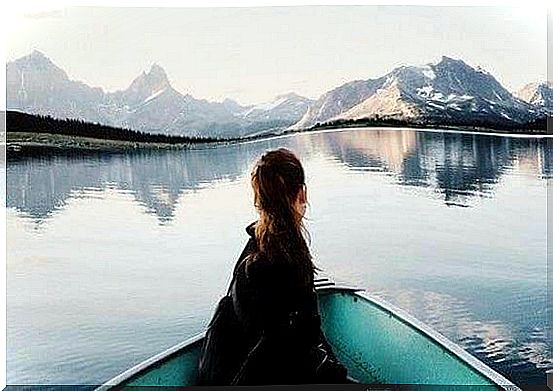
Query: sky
253	54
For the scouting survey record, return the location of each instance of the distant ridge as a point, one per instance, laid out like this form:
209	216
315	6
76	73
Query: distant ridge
538	94
449	91
36	85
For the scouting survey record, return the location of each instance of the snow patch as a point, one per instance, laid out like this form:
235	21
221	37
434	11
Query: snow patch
266	106
429	73
425	91
540	101
451	97
321	109
23	90
154	95
497	95
439	97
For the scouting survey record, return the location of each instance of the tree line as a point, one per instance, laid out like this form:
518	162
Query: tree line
538	125
22	122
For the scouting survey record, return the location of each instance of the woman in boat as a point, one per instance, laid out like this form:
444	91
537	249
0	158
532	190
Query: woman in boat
277	337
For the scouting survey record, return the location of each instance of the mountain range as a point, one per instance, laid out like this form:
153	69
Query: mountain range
37	86
449	90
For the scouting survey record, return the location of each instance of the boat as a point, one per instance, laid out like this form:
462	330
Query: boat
379	344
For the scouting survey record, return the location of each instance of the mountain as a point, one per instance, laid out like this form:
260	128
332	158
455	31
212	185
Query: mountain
152	105
448	90
37	86
286	108
147	86
538	94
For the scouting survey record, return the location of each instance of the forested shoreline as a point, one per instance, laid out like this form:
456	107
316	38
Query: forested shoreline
40	132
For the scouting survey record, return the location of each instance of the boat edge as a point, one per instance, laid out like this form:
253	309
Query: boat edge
326	287
129	373
441	340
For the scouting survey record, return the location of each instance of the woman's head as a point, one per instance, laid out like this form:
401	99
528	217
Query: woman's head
278	182
280	197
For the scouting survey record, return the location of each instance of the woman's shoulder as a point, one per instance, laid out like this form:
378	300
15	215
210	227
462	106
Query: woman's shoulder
264	272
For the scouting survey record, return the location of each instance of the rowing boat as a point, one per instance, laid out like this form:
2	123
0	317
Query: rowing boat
377	342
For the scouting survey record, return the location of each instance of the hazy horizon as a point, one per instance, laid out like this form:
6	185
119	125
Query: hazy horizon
252	55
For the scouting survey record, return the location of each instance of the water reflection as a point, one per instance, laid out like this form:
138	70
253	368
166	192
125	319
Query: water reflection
384	216
38	186
457	167
519	353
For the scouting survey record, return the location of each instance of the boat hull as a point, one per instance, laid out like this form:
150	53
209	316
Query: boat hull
377	342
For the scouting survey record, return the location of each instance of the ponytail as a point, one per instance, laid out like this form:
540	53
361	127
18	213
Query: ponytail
277	180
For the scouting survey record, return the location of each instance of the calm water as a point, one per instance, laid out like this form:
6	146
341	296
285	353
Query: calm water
113	258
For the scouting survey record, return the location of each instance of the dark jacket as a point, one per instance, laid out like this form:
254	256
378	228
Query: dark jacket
280	318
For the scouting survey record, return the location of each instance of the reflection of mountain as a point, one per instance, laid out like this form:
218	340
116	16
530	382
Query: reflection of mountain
490	340
38	186
388	148
458	167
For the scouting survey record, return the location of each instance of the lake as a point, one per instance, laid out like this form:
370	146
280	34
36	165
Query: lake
112	258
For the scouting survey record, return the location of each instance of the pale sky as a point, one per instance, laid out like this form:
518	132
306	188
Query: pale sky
254	54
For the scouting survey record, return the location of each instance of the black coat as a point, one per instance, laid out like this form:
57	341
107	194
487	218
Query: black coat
281	324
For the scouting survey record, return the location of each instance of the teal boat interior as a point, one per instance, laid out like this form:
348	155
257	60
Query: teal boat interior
377	342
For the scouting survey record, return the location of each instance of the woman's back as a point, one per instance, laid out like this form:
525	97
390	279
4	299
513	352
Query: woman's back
270	289
278	337
280	316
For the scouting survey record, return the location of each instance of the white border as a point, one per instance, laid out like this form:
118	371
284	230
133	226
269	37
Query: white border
10	9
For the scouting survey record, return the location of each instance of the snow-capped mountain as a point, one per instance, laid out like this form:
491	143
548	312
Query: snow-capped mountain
146	87
37	86
448	90
538	94
151	104
286	108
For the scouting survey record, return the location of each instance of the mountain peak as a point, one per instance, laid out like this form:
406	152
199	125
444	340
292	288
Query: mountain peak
538	94
149	83
157	71
36	57
36	62
451	61
289	95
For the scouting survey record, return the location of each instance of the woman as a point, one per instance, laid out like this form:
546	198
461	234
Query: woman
277	337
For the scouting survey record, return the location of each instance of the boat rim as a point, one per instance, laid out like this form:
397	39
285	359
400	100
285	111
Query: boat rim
440	339
327	286
129	373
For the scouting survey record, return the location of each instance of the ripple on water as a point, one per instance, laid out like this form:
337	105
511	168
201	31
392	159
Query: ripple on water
522	357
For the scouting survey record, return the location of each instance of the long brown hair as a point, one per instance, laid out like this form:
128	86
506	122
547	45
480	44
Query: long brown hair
277	179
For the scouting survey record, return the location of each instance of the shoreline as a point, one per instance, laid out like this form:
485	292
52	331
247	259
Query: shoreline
22	142
30	142
436	129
